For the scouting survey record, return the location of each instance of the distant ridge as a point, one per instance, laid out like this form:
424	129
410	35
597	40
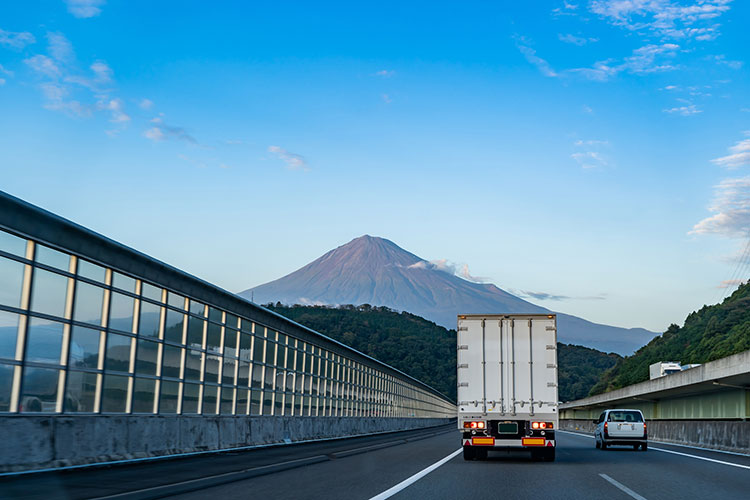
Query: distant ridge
376	271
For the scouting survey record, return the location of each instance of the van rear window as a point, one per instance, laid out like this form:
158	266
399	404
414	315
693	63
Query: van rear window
625	416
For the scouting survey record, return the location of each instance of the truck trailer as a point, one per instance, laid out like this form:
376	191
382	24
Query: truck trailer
507	384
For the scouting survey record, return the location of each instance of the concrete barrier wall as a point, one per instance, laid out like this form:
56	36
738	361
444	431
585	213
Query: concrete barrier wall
35	442
727	435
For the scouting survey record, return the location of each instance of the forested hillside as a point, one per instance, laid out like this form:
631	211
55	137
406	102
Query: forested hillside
710	333
427	351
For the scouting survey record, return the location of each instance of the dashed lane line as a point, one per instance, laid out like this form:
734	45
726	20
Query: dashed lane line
622	487
416	477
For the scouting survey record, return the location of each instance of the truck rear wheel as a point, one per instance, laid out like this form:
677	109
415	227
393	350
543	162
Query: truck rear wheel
469	453
549	454
481	453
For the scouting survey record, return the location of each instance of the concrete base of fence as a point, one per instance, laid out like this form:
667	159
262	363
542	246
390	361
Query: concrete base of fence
726	435
35	442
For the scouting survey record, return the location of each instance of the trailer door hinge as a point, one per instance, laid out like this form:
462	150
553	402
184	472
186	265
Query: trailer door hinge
550	347
550	328
463	328
550	365
463	365
463	348
463	384
551	384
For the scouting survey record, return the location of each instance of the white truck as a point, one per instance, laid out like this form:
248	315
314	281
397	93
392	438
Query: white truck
507	383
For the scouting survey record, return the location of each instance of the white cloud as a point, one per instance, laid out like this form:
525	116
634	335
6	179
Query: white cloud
731	208
60	47
740	156
687	110
115	107
55	96
590	159
146	104
731	283
589	154
16	40
387	99
44	66
542	65
446	266
293	161
161	132
102	72
665	18
587	109
2	81
576	40
722	60
84	8
643	60
385	73
527	294
5	71
567	9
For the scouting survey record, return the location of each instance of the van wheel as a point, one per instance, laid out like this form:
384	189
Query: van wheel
636	446
468	453
604	445
644	446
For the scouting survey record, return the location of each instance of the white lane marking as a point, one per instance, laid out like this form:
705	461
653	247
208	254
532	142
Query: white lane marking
722	462
416	477
622	487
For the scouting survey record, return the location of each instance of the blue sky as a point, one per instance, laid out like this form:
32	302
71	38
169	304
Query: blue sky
591	156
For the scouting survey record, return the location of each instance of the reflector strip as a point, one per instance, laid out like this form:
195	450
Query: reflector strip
532	441
483	441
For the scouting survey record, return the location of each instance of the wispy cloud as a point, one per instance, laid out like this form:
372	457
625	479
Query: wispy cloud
44	66
60	47
446	266
566	9
687	109
665	18
146	104
161	131
590	153
527	294
723	61
385	73
387	99
115	108
293	161
731	209
731	283
16	40
739	155
587	109
643	60
542	65
84	8
576	40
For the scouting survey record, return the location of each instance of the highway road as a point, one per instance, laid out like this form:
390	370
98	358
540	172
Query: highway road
414	465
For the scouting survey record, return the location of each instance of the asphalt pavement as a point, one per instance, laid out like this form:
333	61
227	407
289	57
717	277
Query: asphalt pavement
416	465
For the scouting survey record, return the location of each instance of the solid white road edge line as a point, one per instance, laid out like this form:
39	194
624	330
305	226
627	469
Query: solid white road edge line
416	477
722	462
622	487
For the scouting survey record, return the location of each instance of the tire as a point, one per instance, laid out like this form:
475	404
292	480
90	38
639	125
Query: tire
636	446
549	454
468	453
537	455
481	454
604	445
644	446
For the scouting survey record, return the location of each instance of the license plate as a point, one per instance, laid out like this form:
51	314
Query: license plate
532	441
507	428
483	441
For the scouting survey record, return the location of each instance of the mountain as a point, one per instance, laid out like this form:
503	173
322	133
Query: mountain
427	351
708	334
376	271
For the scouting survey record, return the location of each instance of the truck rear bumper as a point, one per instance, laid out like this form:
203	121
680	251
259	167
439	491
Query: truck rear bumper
525	443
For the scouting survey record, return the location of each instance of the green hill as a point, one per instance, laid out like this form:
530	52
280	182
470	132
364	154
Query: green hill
427	351
710	333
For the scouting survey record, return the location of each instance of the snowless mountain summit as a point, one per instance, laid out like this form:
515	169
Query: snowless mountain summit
376	271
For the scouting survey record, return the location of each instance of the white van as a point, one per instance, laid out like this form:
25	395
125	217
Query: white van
621	427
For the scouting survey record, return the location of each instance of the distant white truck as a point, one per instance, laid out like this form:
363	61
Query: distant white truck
507	383
663	368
